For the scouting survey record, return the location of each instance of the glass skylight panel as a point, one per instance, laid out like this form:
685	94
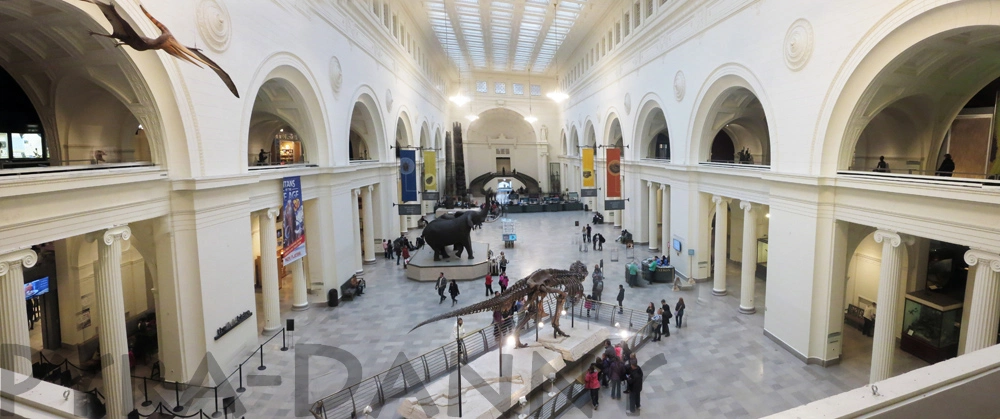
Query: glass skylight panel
536	90
518	89
481	86
500	88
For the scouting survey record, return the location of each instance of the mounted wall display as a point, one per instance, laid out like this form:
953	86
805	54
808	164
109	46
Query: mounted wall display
409	209
614	173
431	196
587	193
614	204
293	220
430	171
408	174
589	176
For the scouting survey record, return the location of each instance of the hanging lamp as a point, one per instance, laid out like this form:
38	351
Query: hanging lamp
557	95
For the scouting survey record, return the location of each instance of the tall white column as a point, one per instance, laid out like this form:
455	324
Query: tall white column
111	321
653	217
749	273
889	283
15	343
269	270
356	218
300	297
369	220
984	311
665	219
721	228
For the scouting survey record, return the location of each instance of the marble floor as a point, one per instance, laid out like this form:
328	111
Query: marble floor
720	365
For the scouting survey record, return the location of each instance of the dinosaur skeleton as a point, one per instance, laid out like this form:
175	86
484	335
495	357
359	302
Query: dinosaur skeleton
536	286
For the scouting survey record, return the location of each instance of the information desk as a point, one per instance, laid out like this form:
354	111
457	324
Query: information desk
664	275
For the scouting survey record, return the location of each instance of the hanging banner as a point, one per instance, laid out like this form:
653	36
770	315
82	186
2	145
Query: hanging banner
430	171
614	170
293	220
588	167
408	174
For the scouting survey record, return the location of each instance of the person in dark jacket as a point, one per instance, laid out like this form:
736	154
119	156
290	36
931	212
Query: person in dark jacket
621	297
634	378
947	166
666	318
679	308
616	374
453	290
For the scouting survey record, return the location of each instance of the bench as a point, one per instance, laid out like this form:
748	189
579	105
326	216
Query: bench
855	316
348	291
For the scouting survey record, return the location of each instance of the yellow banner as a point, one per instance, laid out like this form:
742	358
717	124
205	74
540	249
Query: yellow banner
430	171
588	167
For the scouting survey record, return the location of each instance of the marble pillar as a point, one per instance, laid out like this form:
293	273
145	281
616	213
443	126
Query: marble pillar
887	309
111	332
984	311
748	275
368	236
269	270
665	239
721	236
15	343
356	218
300	296
653	218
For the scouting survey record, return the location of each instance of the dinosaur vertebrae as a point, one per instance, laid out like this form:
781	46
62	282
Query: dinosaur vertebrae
536	285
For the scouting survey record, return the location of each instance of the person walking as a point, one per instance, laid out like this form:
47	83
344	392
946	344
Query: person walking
489	284
598	288
503	283
621	297
503	264
947	166
657	319
397	248
587	236
453	290
634	379
593	384
442	285
386	249
406	256
679	309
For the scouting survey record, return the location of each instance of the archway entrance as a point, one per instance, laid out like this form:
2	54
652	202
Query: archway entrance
279	131
738	128
653	134
363	134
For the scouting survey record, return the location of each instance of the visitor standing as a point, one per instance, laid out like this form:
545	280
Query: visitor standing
593	384
650	311
621	297
406	256
589	304
679	309
665	323
489	284
387	249
587	236
442	285
453	290
615	374
598	288
397	248
503	264
947	166
503	282
869	327
657	319
633	272
634	378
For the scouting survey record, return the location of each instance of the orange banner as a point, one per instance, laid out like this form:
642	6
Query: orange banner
614	170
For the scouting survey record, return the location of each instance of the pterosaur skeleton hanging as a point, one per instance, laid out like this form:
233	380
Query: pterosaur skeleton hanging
127	35
536	286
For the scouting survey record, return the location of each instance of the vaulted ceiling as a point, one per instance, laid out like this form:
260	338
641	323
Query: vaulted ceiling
511	35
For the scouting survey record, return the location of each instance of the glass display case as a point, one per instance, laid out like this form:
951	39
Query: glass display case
762	258
931	325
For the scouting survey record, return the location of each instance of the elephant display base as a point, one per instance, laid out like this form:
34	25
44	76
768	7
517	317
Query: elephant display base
424	268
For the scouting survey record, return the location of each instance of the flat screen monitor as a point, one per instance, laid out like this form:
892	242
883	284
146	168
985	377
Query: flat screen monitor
36	288
677	245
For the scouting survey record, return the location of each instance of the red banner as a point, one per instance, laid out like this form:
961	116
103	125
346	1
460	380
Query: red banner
614	166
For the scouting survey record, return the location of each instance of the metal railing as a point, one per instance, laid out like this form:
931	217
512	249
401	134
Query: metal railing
960	178
375	391
568	395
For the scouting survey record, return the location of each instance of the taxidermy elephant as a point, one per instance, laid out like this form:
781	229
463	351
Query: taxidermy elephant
453	231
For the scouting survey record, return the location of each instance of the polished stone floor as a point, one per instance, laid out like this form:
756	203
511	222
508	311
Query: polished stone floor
720	365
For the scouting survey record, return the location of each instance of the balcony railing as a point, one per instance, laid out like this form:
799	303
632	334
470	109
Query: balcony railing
24	171
927	177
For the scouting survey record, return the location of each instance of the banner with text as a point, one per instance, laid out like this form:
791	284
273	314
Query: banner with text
293	220
408	174
430	171
588	167
614	171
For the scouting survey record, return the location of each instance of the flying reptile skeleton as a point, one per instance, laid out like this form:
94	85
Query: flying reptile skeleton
124	32
536	287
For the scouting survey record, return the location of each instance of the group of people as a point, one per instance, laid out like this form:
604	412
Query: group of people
596	238
401	248
503	281
661	317
443	285
946	169
616	365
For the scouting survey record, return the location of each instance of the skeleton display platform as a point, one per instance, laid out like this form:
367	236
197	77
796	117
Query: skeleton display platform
422	266
525	370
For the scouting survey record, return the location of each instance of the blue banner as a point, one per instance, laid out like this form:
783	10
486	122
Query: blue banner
408	174
293	220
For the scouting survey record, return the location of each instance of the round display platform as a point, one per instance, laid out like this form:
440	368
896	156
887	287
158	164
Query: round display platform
422	266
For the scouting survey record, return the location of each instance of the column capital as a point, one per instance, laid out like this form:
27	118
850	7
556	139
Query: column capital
23	257
371	188
663	187
894	238
974	256
356	192
273	212
649	184
720	200
746	206
109	236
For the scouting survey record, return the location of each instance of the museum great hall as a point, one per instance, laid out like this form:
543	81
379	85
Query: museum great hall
167	208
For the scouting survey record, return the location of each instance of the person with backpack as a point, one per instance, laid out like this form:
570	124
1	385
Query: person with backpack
633	376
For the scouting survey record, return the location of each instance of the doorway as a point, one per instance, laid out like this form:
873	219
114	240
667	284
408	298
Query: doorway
503	165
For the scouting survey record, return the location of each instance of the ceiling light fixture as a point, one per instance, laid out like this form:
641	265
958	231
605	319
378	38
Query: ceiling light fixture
557	95
531	115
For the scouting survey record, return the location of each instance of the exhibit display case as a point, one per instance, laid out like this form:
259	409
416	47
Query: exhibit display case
931	325
762	258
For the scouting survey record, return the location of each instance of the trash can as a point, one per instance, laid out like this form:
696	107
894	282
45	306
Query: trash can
576	223
333	298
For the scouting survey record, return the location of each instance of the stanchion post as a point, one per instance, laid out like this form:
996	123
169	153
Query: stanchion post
284	344
241	389
177	398
261	367
145	393
217	413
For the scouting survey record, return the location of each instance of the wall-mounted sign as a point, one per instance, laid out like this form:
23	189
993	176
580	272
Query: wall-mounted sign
614	204
293	220
409	209
510	237
431	196
220	332
588	193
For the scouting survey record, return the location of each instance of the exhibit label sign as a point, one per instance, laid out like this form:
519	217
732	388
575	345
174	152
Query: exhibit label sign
614	204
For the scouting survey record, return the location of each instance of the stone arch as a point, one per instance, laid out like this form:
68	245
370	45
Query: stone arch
403	136
652	136
365	127
564	142
425	136
574	141
935	38
613	134
286	94
589	135
732	101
